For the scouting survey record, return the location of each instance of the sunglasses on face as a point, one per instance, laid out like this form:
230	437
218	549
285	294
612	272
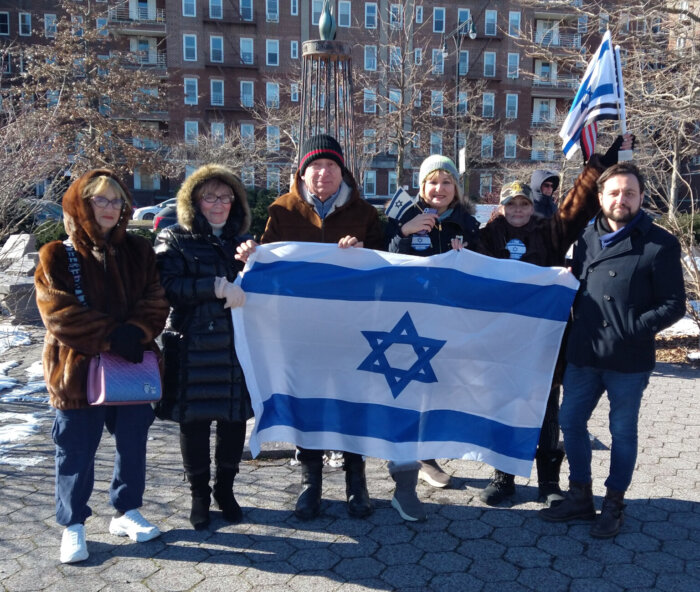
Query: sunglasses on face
102	202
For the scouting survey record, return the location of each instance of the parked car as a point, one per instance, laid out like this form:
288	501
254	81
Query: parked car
166	217
150	212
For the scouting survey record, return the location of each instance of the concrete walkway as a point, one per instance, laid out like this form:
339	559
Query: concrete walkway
463	546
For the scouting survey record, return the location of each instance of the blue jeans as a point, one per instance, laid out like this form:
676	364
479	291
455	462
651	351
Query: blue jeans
77	433
583	388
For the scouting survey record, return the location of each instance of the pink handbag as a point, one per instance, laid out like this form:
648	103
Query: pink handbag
112	380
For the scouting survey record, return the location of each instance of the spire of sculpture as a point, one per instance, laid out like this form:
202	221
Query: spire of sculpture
326	23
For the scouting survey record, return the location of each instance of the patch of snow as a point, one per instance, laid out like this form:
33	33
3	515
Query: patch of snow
686	326
14	428
5	381
35	371
11	336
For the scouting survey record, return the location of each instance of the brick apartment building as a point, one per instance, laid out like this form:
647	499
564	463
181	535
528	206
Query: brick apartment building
224	57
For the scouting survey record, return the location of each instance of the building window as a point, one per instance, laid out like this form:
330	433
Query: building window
273	179
49	25
294	50
191	91
344	15
5	23
438	62
509	145
218	132
248	176
248	135
514	23
438	20
394	58
273	138
370	101
272	95
603	22
294	7
485	184
189	48
246	10
272	11
513	65
101	26
216	10
246	45
371	58
436	102
25	24
370	15
369	145
146	181
247	93
462	104
417	97
486	146
216	49
272	52
191	132
487	108
489	64
415	177
418	56
189	7
396	16
419	14
511	106
316	8
463	62
582	26
435	142
216	89
490	22
394	99
370	183
392	183
294	92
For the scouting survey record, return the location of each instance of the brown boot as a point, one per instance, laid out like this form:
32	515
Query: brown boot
577	505
607	524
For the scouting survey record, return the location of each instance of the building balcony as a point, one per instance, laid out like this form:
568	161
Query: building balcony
565	83
135	20
249	63
153	58
543	155
540	120
551	39
231	16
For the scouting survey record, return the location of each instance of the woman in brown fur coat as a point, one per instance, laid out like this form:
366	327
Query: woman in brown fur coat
124	310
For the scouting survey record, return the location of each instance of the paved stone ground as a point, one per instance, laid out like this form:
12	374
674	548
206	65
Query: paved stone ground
463	546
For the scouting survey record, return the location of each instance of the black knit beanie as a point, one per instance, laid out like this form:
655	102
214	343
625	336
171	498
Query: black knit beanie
321	146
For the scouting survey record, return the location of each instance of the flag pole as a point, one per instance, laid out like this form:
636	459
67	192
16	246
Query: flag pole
622	154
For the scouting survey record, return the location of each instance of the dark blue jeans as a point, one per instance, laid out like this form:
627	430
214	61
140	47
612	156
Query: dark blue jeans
77	433
583	388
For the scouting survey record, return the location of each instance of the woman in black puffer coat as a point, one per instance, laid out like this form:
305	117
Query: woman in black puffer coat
203	379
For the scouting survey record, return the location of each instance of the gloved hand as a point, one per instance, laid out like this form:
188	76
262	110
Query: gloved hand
125	341
610	157
232	293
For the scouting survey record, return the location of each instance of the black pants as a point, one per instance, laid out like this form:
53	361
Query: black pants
194	444
307	455
549	436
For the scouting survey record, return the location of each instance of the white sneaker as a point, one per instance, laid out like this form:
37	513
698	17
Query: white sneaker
73	545
135	526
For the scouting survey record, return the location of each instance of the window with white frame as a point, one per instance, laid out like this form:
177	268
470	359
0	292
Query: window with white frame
394	99
436	102
463	62
248	176
4	23
416	140
489	64
394	58
419	14
248	135
216	91
417	97
272	11
247	93
294	7
511	106
415	177
146	181
438	62
344	13
216	9
77	25
245	9
542	149
370	15
369	144
435	142
294	92
438	20
272	52
272	95
463	15
294	50
246	45
513	65
273	138
603	22
191	132
101	26
273	179
396	16
487	106
218	132
316	8
418	56
189	8
510	145
216	49
25	24
485	184
582	25
369	186
50	25
189	47
191	86
462	104
370	58
369	101
514	23
392	183
486	146
490	22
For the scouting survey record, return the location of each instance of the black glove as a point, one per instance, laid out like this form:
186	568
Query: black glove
610	157
125	341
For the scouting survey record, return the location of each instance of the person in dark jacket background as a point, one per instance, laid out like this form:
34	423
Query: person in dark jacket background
631	288
544	183
203	379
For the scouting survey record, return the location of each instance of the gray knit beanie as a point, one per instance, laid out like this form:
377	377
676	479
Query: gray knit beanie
437	162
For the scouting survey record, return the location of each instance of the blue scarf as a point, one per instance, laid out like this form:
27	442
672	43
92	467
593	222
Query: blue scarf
612	238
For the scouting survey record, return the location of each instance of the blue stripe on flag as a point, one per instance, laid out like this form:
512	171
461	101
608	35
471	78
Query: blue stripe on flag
429	285
396	425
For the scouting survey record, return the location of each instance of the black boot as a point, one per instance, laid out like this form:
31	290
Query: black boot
548	465
223	494
607	524
502	487
201	498
576	505
309	500
359	505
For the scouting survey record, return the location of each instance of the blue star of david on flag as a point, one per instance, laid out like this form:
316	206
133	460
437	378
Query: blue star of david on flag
403	333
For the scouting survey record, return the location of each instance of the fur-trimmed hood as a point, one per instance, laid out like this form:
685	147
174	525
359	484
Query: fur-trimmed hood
239	218
79	218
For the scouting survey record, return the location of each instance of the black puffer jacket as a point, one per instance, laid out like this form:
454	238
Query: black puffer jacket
459	222
203	378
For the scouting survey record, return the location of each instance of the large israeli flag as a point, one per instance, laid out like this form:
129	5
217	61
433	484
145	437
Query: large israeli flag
400	357
597	97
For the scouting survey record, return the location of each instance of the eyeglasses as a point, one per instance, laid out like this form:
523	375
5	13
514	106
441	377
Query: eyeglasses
211	198
547	185
102	202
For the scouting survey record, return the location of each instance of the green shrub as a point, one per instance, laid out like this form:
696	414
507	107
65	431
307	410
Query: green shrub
145	232
259	200
48	231
683	225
